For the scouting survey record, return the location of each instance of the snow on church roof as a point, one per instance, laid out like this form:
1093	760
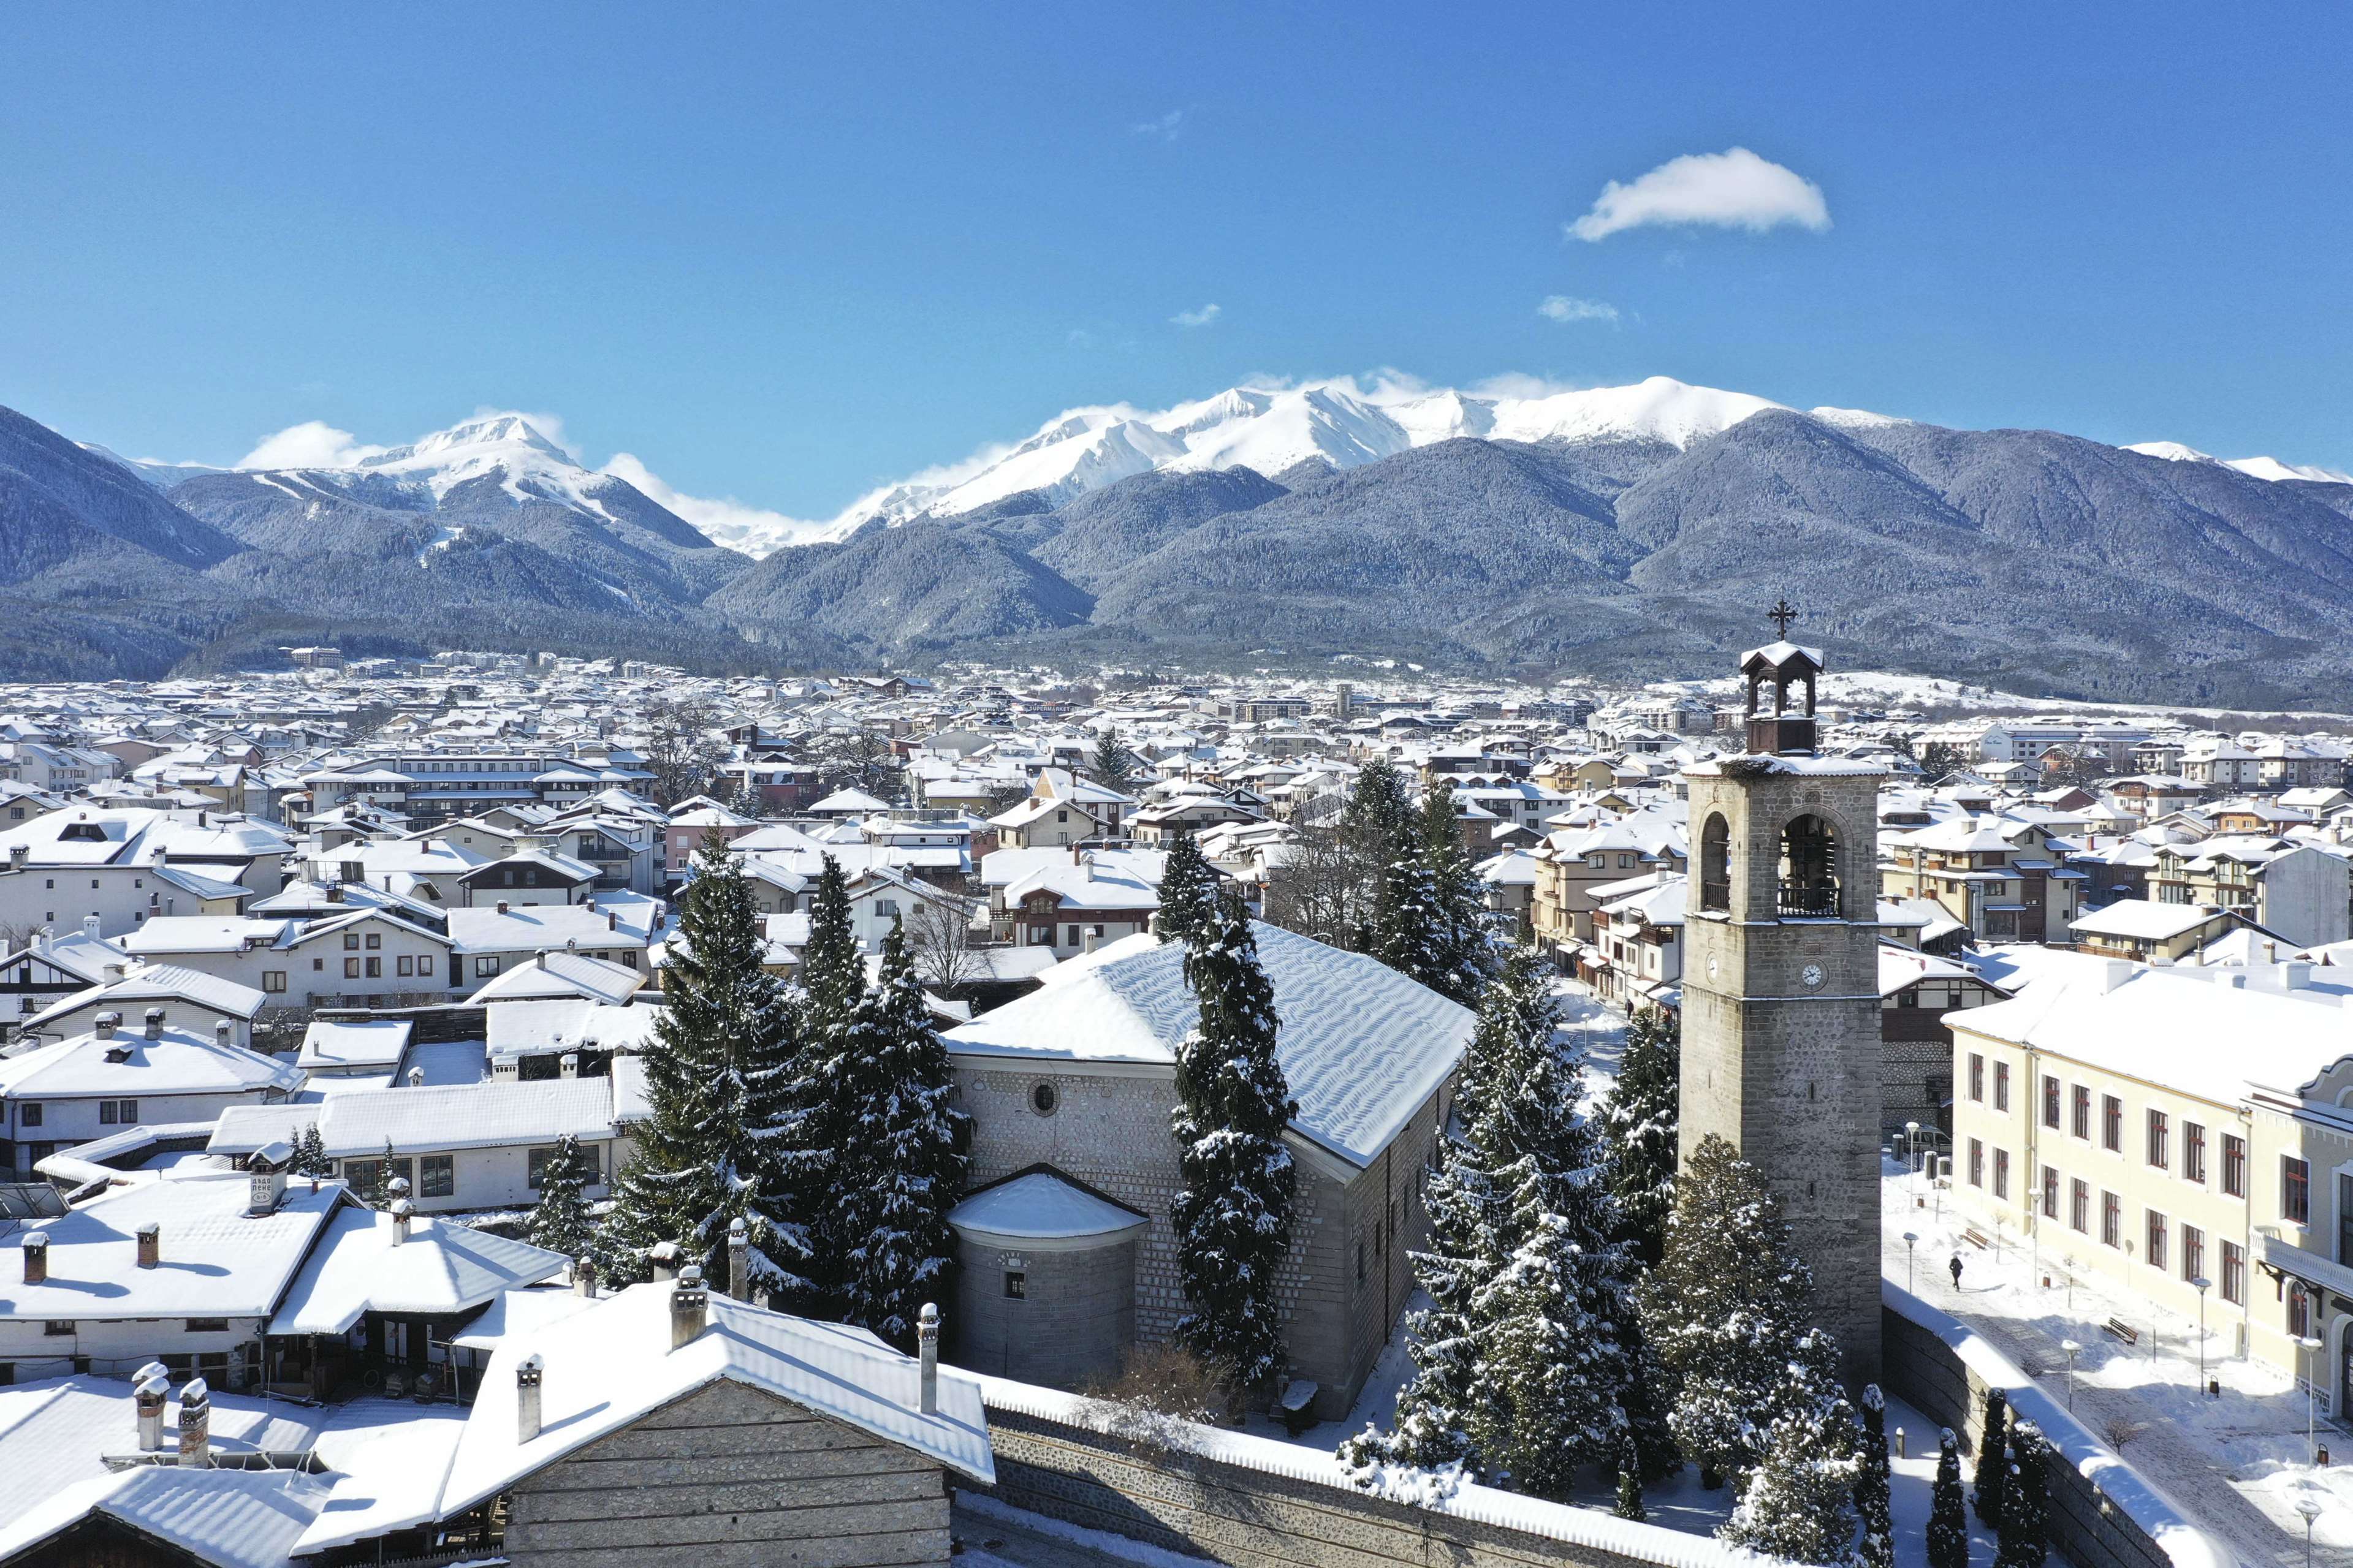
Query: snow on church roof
1039	1206
1363	1047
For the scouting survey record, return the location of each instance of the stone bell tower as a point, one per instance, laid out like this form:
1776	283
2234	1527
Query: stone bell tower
1780	1039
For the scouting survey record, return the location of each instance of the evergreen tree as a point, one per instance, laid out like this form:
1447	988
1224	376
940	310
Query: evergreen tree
2025	1531
1949	1519
1726	1310
1379	828
380	1194
1629	1482
1405	933
1642	1113
1798	1500
1551	1368
1872	1488
1462	957
311	1154
721	1072
833	970
903	1154
1233	1215
1112	765
819	1105
1188	892
560	1221
1993	1459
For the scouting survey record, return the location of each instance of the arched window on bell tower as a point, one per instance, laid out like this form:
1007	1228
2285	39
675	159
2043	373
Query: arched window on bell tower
1716	864
1809	884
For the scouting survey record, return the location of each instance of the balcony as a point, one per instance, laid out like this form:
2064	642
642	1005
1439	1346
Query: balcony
1715	895
1809	900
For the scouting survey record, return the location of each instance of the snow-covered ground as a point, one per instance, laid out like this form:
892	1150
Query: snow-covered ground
2238	1462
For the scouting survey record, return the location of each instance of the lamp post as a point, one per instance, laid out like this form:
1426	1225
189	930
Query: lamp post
2202	1284
2073	1350
2311	1511
2311	1347
1911	1146
1911	1251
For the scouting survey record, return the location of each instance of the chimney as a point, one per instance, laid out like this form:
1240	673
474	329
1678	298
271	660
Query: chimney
689	1306
1087	941
584	1277
2114	972
541	959
112	971
2295	975
739	1260
402	1210
151	1245
196	1423
612	920
334	892
2270	952
503	906
89	927
224	1034
151	1389
927	1347
663	1256
36	1257
19	854
529	1373
416	1077
154	1023
568	1065
105	1023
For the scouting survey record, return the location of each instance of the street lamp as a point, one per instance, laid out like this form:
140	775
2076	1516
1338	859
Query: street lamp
1911	1251
2073	1350
2311	1511
2202	1284
2311	1347
1911	1145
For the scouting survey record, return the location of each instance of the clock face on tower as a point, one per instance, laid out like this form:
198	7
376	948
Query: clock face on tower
1711	969
1812	974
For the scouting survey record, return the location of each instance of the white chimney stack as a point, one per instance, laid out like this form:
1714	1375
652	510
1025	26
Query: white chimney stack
689	1306
402	1209
663	1256
151	1389
104	1024
224	1034
154	1023
739	1260
927	1348
568	1064
416	1077
530	1372
90	927
584	1277
196	1424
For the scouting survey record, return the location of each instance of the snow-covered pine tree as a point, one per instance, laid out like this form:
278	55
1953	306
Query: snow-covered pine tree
1630	1481
560	1221
1378	827
1642	1113
1550	1367
1993	1459
1948	1519
1112	765
1233	1215
2025	1530
380	1194
1798	1500
903	1154
719	1071
1463	957
833	970
1188	892
1725	1309
819	1102
311	1154
1871	1488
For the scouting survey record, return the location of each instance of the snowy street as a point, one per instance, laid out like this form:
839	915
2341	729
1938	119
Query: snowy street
2237	1463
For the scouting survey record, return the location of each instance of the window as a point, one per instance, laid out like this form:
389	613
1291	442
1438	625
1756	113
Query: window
591	1169
2050	1192
55	1326
2157	1230
2345	1219
2079	1206
2112	1220
2234	1166
2159	1140
1043	1099
375	969
1976	1164
29	1113
1714	864
405	965
486	966
118	1112
2295	1190
206	1325
2112	1123
2234	1273
2193	1152
273	979
2193	1253
374	941
1016	1285
351	969
1977	1078
366	1175
351	941
436	1176
2050	1102
2002	1174
2001	1086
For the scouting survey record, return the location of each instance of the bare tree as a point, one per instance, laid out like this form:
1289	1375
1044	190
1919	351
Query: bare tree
856	759
680	751
1315	884
941	939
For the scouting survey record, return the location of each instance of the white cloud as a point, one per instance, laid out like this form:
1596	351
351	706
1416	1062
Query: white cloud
1200	318
1568	307
1163	129
313	444
724	520
1732	189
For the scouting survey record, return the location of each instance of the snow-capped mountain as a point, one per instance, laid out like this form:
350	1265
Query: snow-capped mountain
2259	467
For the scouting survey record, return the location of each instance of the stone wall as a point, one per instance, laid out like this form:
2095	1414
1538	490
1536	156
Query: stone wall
2104	1514
1255	1503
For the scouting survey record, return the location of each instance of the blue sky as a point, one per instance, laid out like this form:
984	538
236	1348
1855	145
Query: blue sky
787	253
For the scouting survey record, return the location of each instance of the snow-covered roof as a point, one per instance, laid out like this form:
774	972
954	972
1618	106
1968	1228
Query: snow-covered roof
1038	1209
520	1311
613	1365
441	1270
480	1115
1362	1046
329	1043
529	928
555	974
1780	653
2145	920
218	1260
129	1064
569	1023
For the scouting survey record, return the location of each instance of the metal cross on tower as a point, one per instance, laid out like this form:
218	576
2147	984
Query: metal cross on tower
1781	615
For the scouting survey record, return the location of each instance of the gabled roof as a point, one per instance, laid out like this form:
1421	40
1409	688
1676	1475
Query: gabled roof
441	1270
555	974
218	1260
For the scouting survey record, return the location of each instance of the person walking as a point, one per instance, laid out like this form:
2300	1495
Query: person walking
1957	1272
